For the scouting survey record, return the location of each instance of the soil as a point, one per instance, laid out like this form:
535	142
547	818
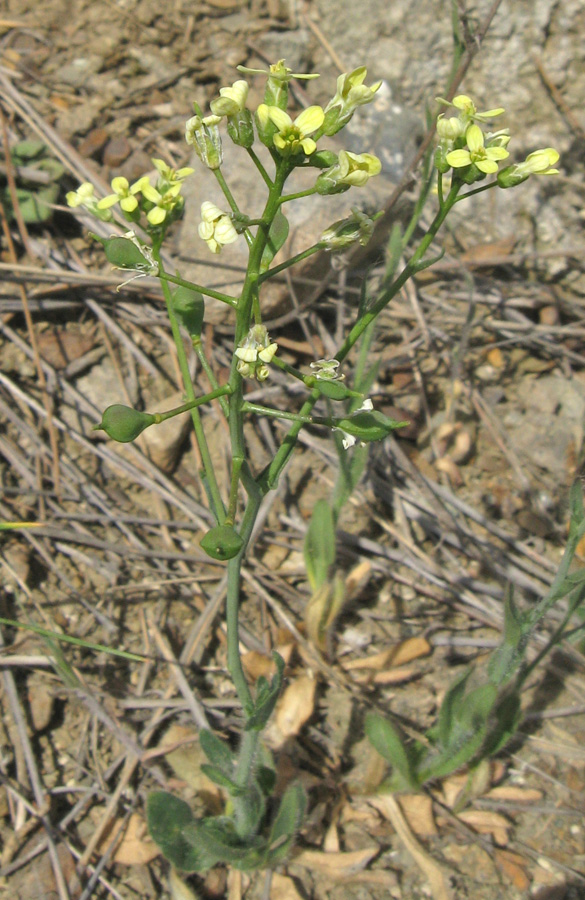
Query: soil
484	355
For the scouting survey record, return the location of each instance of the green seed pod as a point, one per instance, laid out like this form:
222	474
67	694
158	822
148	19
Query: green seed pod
222	542
189	307
334	390
240	128
124	254
124	424
369	425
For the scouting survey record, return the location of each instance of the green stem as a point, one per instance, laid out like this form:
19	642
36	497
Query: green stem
479	190
203	361
290	262
280	414
269	477
298	195
233	605
258	163
191	404
230	199
217	295
236	426
217	502
233	499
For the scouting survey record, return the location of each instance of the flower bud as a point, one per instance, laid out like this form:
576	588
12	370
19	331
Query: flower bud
351	93
265	126
351	169
124	424
450	129
232	99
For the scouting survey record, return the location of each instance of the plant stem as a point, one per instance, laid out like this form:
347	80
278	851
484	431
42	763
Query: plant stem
216	501
217	295
290	262
191	404
269	477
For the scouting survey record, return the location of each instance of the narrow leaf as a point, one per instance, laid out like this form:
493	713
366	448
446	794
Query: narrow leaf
276	237
319	547
387	740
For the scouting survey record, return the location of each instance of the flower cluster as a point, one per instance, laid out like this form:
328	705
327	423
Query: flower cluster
472	154
85	196
160	204
216	227
255	352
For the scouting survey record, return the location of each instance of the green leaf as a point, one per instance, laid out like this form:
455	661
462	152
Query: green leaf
218	776
219	842
189	307
507	717
266	779
266	697
222	542
388	741
477	706
286	824
319	546
34	204
447	711
216	750
468	731
25	151
167	818
124	424
276	237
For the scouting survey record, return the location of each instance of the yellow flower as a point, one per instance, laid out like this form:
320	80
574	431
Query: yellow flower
468	110
124	194
164	202
171	176
484	158
216	227
83	196
232	99
293	137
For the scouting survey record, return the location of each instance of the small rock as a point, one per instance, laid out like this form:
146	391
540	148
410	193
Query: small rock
117	150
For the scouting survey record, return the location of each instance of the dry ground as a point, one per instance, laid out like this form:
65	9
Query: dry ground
484	354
